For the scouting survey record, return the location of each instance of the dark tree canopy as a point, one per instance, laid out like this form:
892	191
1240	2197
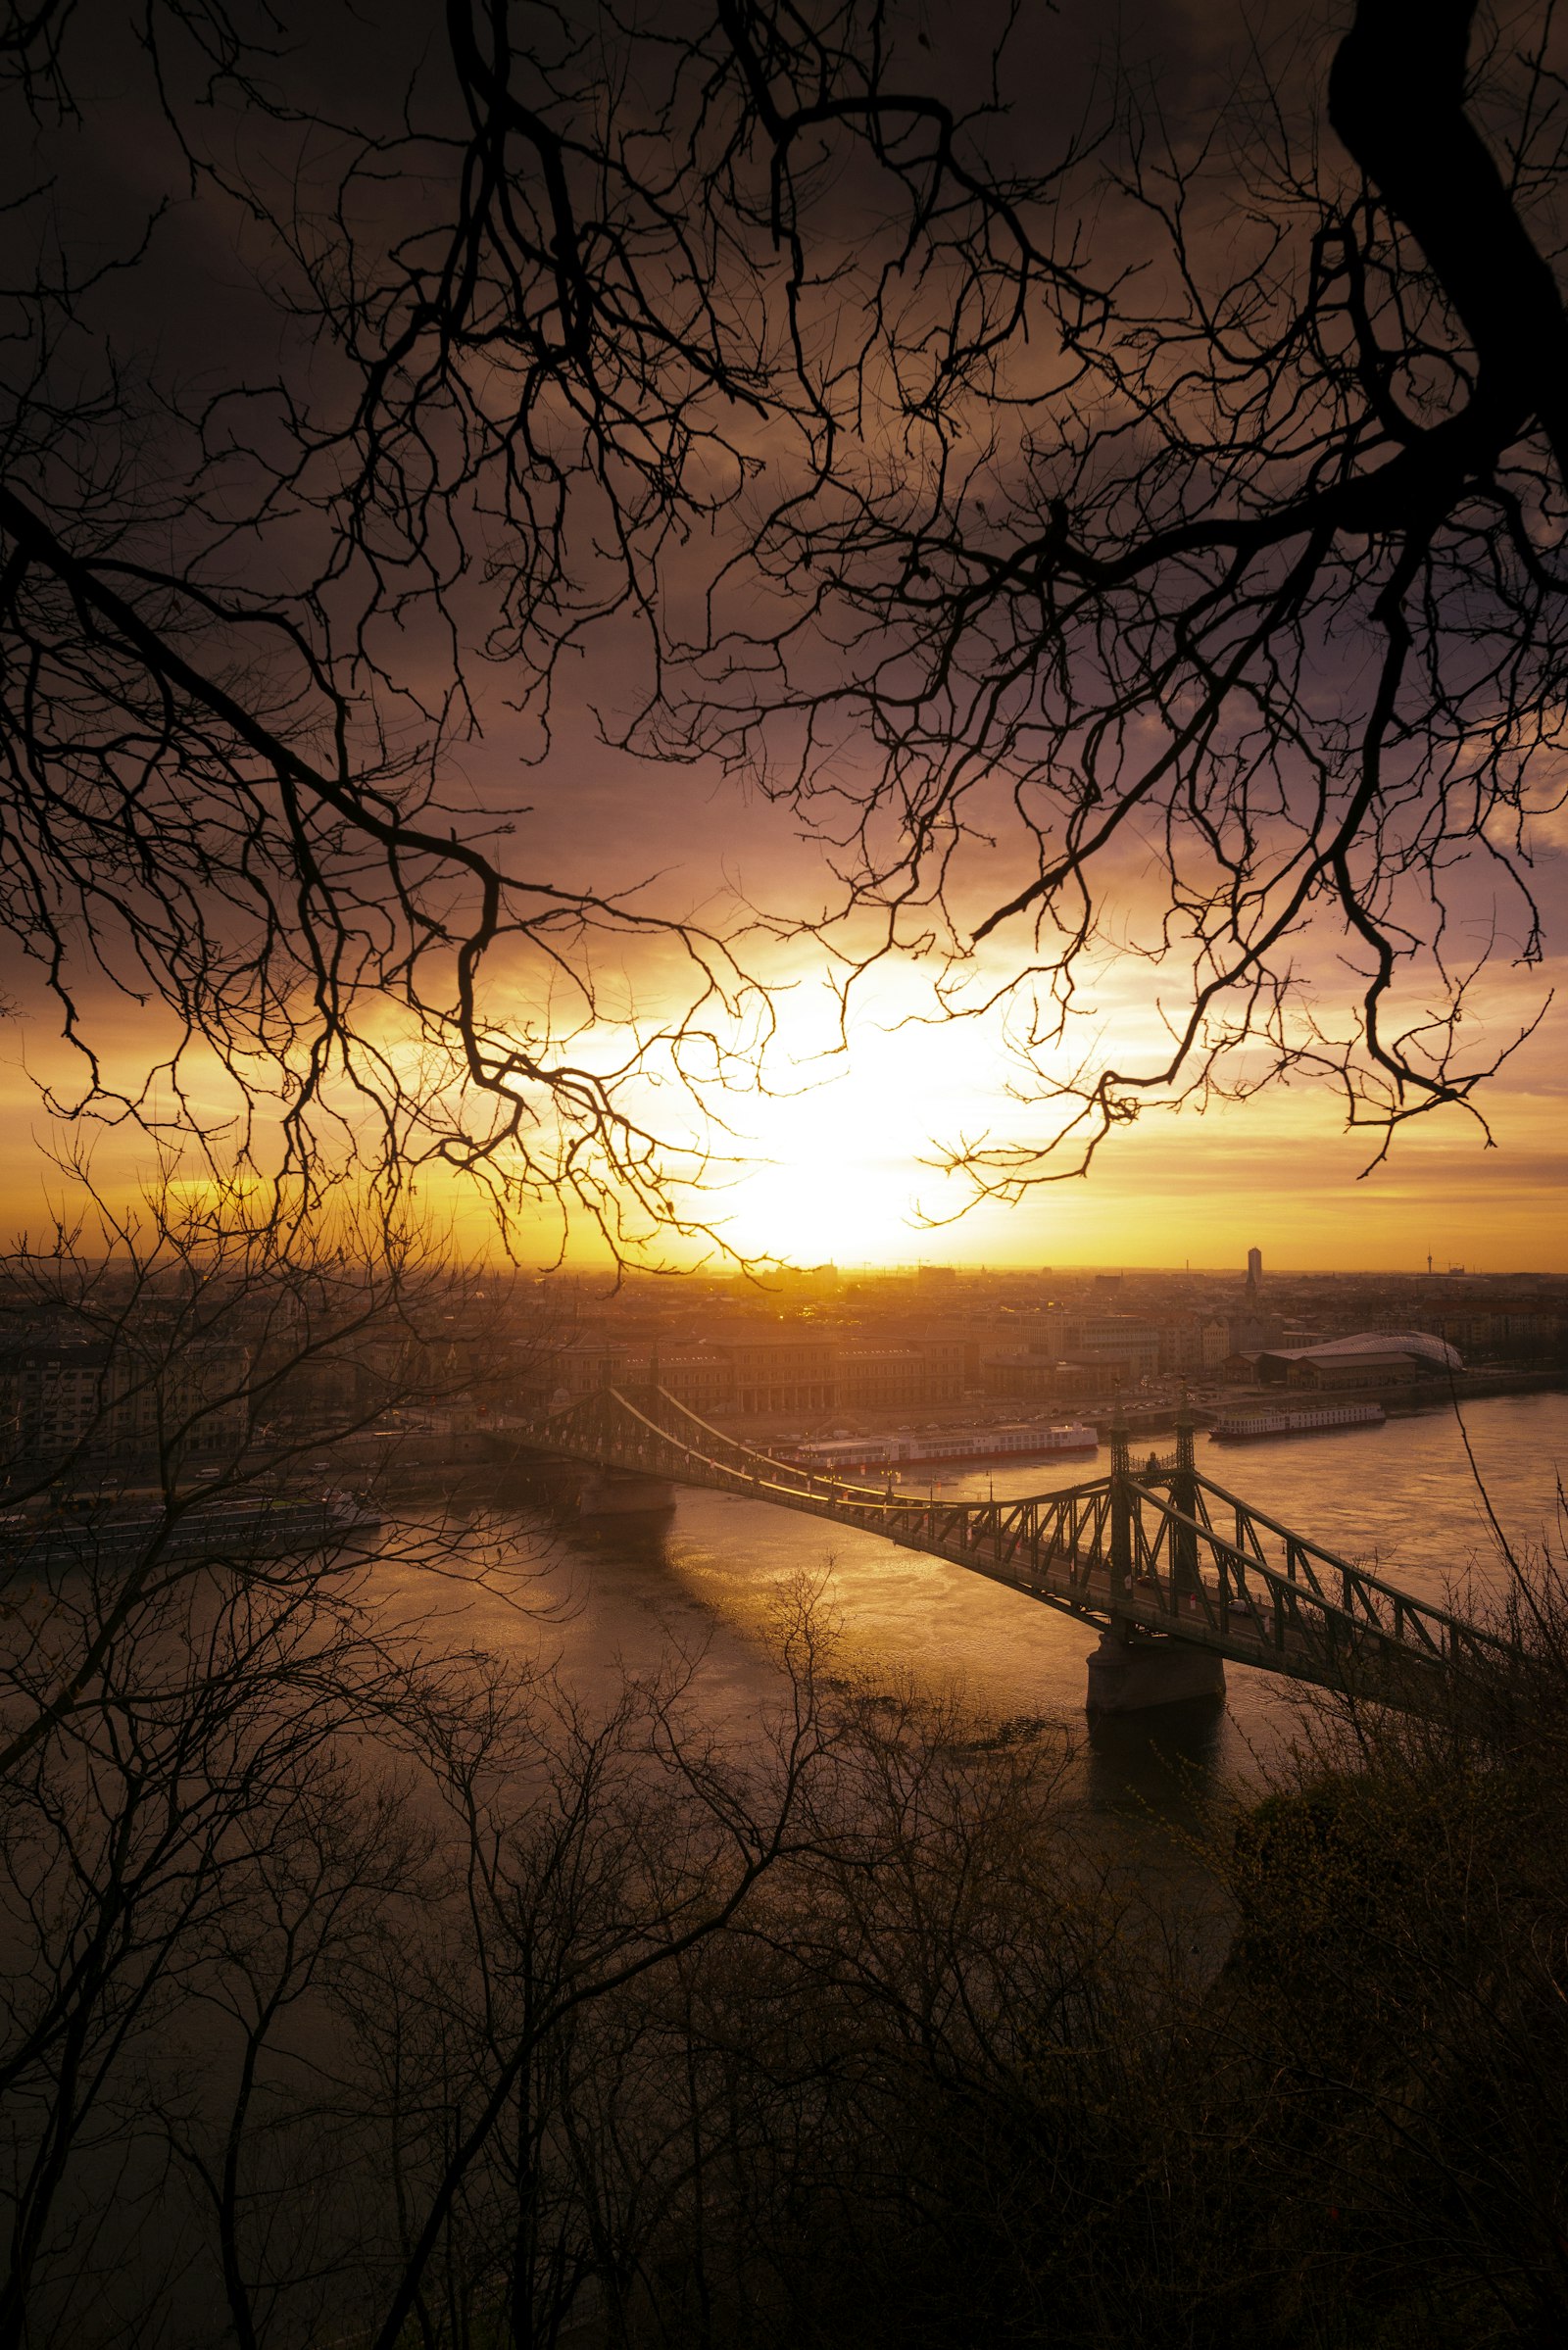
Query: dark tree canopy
1114	537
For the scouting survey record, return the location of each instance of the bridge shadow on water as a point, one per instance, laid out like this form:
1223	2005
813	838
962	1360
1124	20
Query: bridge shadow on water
1146	1779
1146	1786
1155	1789
635	1539
1165	1762
1161	1763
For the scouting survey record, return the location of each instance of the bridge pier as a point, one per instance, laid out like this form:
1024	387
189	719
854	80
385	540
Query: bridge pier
624	1493
1131	1671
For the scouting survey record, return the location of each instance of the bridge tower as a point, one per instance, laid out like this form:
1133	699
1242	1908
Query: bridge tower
1134	1670
1183	1496
607	1491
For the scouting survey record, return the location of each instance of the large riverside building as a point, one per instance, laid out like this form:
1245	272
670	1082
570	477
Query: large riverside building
767	1372
1370	1359
67	1394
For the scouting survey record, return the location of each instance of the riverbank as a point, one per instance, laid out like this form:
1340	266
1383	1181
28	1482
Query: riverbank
1428	1395
1147	1414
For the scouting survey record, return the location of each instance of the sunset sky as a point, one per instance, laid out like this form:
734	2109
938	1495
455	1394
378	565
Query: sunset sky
832	1157
817	1147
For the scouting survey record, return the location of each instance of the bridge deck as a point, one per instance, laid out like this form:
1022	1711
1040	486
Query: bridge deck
1171	1555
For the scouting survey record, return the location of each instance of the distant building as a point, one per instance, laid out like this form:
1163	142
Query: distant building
1077	1354
1181	1345
1215	1343
1127	1346
784	1370
762	1370
883	1379
702	1378
803	1281
62	1395
1510	1328
1041	1378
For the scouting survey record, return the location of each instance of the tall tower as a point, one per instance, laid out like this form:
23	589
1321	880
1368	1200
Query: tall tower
1254	1270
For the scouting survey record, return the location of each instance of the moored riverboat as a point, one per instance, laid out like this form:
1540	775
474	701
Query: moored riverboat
231	1530
1013	1439
1294	1419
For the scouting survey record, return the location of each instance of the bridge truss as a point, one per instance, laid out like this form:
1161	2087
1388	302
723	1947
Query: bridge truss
1162	1553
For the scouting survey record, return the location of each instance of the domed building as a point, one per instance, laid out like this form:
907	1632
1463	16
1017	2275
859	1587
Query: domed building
1368	1360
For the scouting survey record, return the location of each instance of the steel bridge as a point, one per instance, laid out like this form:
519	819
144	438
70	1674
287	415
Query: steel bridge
1170	1567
